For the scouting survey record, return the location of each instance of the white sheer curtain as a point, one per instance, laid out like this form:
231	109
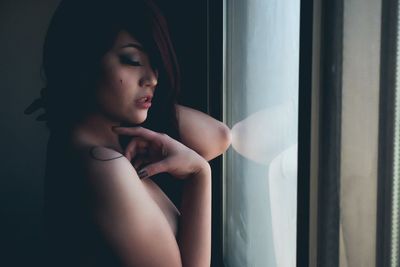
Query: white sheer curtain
261	106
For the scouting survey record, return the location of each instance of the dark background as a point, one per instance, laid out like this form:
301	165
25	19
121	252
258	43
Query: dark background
23	25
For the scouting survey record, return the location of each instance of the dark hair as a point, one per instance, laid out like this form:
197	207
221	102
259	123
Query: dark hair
80	33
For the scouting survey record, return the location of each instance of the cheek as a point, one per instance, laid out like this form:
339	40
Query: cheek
116	90
117	83
121	80
113	82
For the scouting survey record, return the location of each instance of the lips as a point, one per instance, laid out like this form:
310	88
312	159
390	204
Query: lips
144	99
144	102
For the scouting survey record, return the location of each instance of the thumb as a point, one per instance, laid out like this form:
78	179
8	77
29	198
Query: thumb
153	169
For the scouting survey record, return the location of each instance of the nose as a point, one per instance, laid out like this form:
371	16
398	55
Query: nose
150	79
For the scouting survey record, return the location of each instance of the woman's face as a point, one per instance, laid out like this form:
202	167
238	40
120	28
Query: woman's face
127	81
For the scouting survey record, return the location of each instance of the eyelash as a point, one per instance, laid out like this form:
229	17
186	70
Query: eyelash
128	61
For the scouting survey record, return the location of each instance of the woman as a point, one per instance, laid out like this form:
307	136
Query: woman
111	64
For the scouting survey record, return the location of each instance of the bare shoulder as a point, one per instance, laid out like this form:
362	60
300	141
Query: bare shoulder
129	216
103	167
91	152
128	212
104	163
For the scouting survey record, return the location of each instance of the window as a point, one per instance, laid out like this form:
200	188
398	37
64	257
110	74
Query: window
261	92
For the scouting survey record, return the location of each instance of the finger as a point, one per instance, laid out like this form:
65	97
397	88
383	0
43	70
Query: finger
137	163
143	145
131	149
153	169
137	147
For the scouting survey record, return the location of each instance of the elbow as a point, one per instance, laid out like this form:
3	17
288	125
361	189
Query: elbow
225	137
222	141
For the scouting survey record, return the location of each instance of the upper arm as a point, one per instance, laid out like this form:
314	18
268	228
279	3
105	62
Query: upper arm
202	133
127	215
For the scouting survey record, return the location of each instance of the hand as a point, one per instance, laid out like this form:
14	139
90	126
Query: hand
161	152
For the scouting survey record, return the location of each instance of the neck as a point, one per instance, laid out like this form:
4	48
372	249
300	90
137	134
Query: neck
96	130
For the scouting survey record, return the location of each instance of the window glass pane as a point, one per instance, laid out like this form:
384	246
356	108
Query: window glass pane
261	107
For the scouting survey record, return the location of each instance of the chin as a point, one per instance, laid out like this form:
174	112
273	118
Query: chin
138	118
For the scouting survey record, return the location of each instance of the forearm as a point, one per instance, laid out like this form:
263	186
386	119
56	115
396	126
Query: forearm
194	236
202	133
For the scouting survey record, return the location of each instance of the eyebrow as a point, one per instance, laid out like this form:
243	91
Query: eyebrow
135	45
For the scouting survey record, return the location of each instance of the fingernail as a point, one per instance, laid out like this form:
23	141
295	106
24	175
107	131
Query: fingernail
142	173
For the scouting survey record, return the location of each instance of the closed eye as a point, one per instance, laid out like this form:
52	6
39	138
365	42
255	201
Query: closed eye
126	60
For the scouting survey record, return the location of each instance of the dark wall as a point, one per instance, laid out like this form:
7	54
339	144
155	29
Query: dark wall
23	141
23	26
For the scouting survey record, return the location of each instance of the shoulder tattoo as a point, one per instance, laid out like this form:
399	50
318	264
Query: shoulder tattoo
104	154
